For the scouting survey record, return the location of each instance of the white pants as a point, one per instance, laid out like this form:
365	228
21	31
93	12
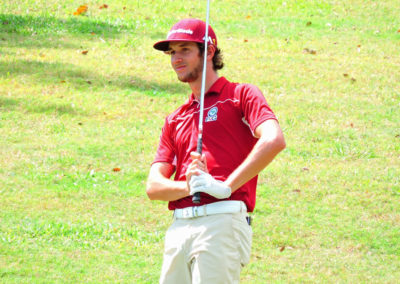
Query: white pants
210	249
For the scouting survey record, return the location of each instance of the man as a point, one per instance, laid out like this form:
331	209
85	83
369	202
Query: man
210	242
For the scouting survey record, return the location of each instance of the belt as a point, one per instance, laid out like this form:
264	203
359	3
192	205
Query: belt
220	207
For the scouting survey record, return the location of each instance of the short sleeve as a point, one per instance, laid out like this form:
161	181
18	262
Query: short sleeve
166	150
254	105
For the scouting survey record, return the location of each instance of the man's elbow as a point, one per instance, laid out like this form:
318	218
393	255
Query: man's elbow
271	137
278	144
150	190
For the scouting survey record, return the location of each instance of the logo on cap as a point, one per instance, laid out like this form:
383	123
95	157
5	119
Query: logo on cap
210	40
187	30
182	31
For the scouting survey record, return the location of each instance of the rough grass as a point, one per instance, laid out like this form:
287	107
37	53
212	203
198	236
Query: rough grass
78	133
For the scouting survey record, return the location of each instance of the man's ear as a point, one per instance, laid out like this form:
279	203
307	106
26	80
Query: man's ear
210	51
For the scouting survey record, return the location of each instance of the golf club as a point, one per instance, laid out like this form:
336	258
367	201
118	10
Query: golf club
196	197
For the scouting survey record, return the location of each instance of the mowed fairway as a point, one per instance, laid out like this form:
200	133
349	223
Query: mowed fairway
83	99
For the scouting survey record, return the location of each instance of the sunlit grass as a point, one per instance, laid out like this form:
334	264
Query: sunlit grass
82	96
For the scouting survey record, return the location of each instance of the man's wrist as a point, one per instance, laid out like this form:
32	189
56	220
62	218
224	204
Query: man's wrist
229	184
184	188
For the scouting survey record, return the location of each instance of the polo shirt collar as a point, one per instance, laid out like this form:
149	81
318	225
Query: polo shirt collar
216	88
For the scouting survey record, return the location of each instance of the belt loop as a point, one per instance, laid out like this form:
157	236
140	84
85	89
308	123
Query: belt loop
243	207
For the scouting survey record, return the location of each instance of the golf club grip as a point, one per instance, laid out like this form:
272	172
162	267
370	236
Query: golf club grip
199	145
196	197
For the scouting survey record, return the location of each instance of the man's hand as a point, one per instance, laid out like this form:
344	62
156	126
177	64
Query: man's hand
204	182
198	164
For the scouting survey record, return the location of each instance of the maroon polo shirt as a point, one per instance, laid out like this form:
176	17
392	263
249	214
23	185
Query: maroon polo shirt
232	112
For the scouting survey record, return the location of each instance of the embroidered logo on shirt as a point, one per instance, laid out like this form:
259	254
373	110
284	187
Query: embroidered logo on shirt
212	114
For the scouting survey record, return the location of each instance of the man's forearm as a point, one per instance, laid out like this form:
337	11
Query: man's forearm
264	151
167	190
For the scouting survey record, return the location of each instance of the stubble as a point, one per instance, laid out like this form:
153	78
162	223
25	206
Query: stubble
193	75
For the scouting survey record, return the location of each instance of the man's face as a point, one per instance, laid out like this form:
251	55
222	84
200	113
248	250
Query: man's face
186	61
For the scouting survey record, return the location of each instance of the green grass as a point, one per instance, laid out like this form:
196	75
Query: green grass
328	206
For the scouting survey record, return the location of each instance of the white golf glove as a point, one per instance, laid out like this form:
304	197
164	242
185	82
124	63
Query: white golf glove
206	183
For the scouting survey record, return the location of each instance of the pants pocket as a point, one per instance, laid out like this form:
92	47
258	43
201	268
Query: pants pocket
243	235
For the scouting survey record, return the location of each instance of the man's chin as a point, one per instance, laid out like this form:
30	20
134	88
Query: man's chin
186	79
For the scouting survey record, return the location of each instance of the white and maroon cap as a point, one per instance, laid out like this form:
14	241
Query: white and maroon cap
187	30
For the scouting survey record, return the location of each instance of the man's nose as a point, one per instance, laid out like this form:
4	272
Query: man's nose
176	59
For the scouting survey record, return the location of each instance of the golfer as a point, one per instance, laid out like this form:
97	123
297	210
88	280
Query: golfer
210	242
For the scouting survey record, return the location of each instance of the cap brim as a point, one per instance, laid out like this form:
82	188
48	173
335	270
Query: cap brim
164	44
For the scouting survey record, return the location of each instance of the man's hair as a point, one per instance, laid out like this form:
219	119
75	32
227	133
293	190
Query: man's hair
218	63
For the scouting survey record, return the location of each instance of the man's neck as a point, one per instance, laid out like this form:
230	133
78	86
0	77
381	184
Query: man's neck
211	78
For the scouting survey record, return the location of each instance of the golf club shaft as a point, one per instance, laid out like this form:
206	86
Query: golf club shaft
196	197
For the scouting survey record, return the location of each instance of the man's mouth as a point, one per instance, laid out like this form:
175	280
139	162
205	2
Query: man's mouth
180	68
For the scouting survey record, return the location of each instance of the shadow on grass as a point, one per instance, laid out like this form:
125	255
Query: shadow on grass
56	73
32	105
28	25
47	31
9	40
7	103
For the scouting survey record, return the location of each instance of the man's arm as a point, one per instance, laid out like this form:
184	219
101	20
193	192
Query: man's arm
269	144
161	187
